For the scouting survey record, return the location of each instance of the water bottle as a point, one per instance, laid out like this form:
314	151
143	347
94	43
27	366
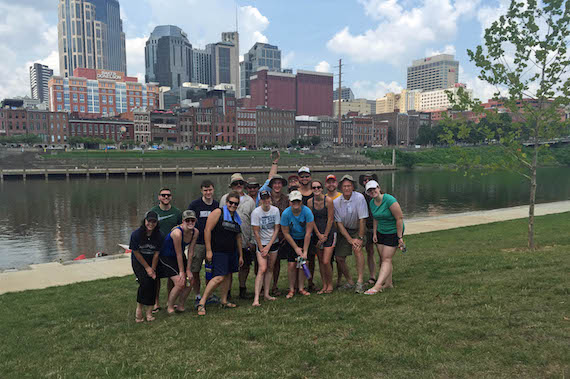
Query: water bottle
302	263
209	270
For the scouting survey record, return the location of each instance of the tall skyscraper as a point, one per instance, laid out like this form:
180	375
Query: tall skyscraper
168	57
90	35
233	37
437	72
345	94
39	77
260	55
224	60
201	66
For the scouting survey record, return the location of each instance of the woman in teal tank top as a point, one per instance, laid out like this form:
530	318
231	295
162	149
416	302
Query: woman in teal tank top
388	232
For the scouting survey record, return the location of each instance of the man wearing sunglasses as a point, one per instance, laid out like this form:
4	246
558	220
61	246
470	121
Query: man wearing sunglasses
244	210
168	217
305	179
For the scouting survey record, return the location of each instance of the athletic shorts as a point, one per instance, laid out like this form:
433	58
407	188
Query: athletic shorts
198	258
343	248
288	249
168	266
274	248
225	263
387	239
330	242
248	256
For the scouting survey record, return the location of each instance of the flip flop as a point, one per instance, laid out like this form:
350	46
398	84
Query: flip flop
290	294
372	291
156	310
201	310
228	305
139	320
371	281
304	292
149	319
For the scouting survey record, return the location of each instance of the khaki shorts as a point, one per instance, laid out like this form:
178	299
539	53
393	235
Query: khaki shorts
343	248
198	258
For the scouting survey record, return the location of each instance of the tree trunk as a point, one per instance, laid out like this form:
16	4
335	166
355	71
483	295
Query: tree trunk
532	197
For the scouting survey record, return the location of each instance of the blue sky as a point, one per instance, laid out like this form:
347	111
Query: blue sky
376	39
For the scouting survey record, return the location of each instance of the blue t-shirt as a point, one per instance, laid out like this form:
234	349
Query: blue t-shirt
297	224
202	210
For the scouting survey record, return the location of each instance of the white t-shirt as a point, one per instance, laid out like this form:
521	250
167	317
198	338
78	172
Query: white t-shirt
266	222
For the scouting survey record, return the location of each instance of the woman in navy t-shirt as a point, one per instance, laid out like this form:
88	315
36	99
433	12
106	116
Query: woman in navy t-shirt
145	244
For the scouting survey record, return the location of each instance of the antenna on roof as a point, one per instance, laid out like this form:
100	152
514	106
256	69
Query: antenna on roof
236	17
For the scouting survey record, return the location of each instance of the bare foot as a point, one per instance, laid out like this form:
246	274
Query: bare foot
150	317
387	286
255	304
171	310
270	298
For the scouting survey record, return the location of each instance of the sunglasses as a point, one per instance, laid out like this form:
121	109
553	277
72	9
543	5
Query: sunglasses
252	187
165	194
366	180
236	203
317	187
238	183
189	220
304	176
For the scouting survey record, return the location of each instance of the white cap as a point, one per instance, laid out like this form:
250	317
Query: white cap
304	169
372	184
295	195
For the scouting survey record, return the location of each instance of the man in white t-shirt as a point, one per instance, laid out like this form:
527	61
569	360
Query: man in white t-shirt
265	221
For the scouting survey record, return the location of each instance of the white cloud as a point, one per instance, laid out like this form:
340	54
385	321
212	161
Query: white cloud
135	56
374	90
323	66
448	49
211	18
23	26
401	34
287	60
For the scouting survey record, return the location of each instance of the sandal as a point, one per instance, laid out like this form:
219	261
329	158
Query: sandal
371	280
156	310
372	291
304	292
228	305
150	318
321	291
139	320
290	294
201	310
276	292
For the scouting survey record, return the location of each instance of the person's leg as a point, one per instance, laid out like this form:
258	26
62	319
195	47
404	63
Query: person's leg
173	294
196	266
244	272
319	255
184	293
311	262
292	275
276	271
301	281
210	287
139	313
326	269
157	300
359	256
225	286
370	260
387	253
262	264
343	267
169	286
269	275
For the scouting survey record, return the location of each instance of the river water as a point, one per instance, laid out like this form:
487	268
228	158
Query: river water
46	221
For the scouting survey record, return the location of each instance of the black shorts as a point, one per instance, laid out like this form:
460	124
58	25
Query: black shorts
274	248
331	240
168	266
387	239
288	249
225	263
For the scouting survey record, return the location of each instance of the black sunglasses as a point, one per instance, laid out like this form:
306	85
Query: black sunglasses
189	219
165	194
238	183
319	187
304	176
233	203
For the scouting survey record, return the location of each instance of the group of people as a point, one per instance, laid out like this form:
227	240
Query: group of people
291	219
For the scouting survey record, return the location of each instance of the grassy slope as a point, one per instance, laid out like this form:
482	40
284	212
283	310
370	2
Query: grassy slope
468	302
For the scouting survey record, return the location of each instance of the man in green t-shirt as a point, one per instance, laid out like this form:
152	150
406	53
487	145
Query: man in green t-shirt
168	217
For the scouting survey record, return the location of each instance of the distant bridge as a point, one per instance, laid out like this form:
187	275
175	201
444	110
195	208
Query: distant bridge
555	141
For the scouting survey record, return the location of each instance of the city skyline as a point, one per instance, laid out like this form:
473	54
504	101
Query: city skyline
343	29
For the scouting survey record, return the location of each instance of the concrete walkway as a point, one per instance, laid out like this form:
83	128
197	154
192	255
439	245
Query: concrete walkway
57	274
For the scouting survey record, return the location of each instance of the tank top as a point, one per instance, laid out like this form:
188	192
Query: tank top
168	245
223	240
321	216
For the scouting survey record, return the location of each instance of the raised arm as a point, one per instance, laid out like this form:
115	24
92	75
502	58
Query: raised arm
273	170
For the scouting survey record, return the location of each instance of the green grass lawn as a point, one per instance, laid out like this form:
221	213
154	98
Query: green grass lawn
171	154
470	302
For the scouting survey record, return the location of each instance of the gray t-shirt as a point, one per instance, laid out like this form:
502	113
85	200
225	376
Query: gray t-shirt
266	222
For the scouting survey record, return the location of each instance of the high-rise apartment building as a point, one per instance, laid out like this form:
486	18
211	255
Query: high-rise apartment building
39	77
225	60
233	37
168	57
345	94
437	72
201	67
90	35
260	55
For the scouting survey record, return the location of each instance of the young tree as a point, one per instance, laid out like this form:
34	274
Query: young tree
526	58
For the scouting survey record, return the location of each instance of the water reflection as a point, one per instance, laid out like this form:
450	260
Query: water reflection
44	221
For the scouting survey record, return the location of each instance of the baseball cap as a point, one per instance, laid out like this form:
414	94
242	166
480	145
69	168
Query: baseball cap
263	194
304	169
151	216
330	176
293	176
188	214
295	195
372	184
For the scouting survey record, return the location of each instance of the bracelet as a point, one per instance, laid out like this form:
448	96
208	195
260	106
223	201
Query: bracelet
274	163
399	237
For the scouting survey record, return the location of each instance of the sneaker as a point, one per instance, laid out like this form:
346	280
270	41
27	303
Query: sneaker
197	301
359	288
213	300
347	286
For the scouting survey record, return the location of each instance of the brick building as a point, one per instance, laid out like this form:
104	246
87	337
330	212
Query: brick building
307	127
141	126
51	127
274	126
314	93
100	92
247	127
164	127
104	128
